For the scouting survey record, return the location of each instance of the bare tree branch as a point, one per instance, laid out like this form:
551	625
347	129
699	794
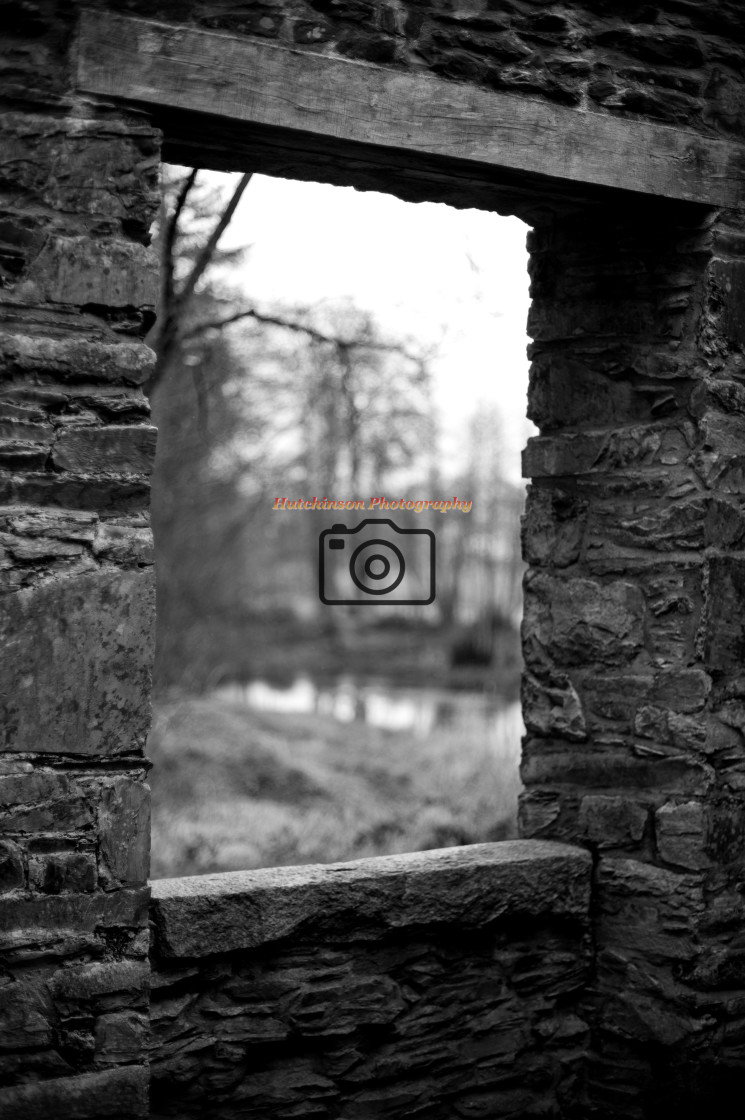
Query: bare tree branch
302	328
208	250
166	327
171	330
250	313
168	331
171	230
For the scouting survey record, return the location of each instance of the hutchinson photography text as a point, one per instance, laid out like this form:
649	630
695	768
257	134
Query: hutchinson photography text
445	505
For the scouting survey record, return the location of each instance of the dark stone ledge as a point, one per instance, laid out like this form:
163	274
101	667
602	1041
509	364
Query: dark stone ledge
209	914
118	1094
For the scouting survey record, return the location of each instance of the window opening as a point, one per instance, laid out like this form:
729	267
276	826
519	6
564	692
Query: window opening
346	346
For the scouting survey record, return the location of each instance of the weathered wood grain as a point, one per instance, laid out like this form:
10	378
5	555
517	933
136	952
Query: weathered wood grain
239	79
199	140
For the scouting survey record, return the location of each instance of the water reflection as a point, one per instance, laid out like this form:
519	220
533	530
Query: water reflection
417	710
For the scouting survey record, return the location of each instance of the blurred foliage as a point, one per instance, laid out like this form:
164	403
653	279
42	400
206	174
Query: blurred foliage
235	789
254	403
251	404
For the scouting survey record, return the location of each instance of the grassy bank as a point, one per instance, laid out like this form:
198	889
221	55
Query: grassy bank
235	788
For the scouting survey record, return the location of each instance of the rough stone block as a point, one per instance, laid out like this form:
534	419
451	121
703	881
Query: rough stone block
584	315
23	412
124	544
120	1037
77	676
613	822
609	762
724	738
667	47
105	169
719	461
717	394
682	690
565	392
63	871
614	697
40	548
73	912
43	801
721	969
725	524
560	456
110	450
26	1016
124	832
648	1020
199	916
664	726
551	706
82	983
116	404
12	874
618	697
724	615
538	813
121	1094
553	527
580	453
76	359
681	834
581	621
17	431
674	596
658	527
729	277
123	494
648	914
359	1001
23	454
82	270
63	524
725	829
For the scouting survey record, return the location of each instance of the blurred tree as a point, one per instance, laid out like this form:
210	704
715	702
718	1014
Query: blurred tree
483	573
250	404
343	408
188	248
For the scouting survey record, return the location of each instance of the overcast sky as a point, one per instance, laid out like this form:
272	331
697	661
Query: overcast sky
425	270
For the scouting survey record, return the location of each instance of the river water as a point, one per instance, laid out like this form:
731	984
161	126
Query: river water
419	711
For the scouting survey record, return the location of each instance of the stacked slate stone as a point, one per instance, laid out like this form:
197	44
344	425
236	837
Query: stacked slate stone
441	985
633	629
79	190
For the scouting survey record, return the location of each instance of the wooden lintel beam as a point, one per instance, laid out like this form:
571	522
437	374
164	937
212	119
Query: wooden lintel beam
244	80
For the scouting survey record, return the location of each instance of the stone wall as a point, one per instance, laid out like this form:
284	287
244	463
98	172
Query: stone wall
633	629
633	635
438	985
79	190
678	62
